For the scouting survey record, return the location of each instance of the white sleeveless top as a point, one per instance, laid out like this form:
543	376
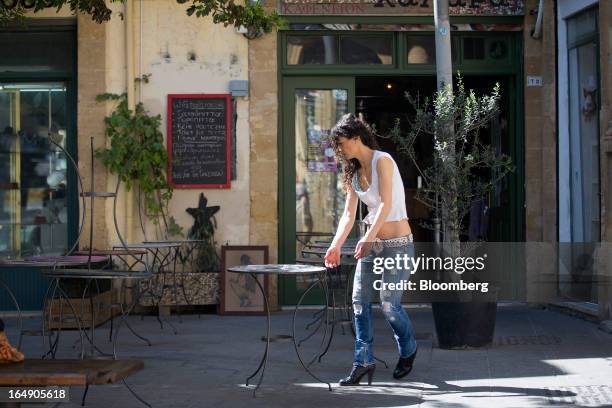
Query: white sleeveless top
371	197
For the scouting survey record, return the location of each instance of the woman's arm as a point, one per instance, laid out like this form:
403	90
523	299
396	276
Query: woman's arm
348	217
332	256
384	168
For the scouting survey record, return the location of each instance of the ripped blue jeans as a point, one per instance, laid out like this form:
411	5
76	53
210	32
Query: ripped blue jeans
364	294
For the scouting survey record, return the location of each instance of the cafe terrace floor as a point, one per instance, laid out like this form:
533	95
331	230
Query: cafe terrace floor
540	358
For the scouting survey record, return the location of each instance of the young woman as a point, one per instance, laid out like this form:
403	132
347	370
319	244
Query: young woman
372	176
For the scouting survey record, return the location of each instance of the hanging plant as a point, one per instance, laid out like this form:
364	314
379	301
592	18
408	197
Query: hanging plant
136	154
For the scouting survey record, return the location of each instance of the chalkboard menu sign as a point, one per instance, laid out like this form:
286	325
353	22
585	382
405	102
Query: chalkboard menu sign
199	140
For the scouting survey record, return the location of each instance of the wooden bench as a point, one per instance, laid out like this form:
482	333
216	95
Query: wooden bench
87	372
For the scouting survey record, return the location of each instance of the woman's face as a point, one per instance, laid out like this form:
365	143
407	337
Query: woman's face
348	147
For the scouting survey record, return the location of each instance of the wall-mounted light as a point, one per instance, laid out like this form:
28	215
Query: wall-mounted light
389	85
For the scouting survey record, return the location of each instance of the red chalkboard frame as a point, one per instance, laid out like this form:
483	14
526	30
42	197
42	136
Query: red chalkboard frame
228	115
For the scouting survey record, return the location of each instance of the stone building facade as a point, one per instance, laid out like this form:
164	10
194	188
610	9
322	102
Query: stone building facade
186	55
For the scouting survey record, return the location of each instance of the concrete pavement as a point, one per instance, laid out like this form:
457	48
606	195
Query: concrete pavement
540	358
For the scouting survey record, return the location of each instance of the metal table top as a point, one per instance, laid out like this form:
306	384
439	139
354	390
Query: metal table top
175	241
278	269
118	251
154	245
56	260
95	274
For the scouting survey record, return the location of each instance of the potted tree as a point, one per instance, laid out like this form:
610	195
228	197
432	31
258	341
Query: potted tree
463	170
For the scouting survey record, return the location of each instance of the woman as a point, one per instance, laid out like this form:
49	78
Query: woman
372	176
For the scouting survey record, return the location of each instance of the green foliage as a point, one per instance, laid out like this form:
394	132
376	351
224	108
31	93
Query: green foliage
14	14
463	169
226	12
144	78
14	10
138	156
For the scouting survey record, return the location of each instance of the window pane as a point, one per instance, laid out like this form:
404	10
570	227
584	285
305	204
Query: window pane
312	50
367	50
28	52
474	48
318	190
421	50
582	25
33	171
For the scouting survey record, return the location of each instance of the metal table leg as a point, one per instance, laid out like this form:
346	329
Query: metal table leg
333	322
264	360
124	314
64	295
319	281
20	317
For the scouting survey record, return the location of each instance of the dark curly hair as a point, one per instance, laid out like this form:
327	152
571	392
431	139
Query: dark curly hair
351	127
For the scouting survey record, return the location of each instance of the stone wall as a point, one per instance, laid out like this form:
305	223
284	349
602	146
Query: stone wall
190	55
540	148
263	113
540	133
182	54
90	118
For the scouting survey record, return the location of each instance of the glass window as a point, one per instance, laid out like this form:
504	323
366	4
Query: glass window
583	88
421	49
581	25
31	51
318	184
474	48
367	50
497	49
584	138
33	171
319	49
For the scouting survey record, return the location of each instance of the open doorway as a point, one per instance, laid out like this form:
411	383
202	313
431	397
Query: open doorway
382	100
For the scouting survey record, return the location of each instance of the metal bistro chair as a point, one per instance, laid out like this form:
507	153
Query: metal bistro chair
51	261
92	275
337	294
130	258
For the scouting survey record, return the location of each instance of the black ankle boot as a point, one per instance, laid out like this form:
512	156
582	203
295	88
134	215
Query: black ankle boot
404	366
357	372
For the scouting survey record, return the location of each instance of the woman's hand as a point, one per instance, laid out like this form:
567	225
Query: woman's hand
332	256
363	247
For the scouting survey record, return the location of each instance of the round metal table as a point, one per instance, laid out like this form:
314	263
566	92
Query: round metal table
288	270
97	274
49	261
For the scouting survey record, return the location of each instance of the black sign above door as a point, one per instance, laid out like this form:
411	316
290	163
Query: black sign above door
199	144
400	7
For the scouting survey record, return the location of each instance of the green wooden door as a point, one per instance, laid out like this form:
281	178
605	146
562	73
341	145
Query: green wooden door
311	199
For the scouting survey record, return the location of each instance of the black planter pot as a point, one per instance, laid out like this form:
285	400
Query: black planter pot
464	324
